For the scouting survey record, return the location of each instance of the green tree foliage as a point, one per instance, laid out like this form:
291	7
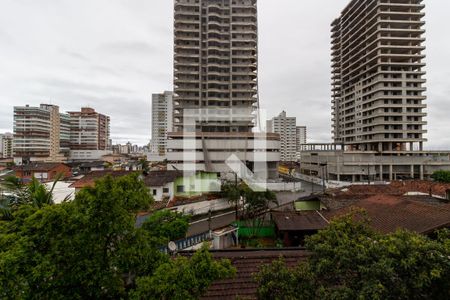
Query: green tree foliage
85	249
34	193
441	176
174	279
144	164
254	202
167	224
350	261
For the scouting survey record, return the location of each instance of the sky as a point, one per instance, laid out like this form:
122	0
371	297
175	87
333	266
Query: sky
113	54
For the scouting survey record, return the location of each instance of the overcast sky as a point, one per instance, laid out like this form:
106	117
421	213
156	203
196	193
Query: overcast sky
113	54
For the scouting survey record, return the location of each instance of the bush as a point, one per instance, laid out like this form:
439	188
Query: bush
441	176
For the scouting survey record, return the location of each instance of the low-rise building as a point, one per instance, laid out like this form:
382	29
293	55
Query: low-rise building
162	184
44	172
6	145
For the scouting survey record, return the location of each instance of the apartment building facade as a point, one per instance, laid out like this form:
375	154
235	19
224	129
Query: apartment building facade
286	128
162	121
37	134
6	145
89	134
378	76
300	139
215	86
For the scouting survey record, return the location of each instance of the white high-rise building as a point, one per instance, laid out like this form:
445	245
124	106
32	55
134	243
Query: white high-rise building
6	142
37	134
162	121
301	138
286	127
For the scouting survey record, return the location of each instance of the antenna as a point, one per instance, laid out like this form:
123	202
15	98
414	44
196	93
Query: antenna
172	247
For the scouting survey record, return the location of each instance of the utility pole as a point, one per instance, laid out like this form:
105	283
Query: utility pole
209	222
323	177
236	201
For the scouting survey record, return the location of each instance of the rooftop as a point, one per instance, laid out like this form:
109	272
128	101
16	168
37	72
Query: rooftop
248	263
160	178
89	179
38	166
291	221
389	213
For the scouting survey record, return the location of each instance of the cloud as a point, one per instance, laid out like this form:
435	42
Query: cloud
128	48
113	54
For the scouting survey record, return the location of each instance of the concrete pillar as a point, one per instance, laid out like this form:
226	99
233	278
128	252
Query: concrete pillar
353	178
421	172
380	147
391	171
412	171
421	146
411	146
381	173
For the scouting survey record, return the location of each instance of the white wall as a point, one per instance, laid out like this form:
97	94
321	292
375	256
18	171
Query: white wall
159	192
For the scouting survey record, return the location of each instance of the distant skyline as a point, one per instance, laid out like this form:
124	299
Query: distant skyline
113	54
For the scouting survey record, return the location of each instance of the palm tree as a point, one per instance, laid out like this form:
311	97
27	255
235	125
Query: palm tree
35	194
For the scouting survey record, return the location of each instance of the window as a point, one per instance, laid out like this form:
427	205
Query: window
165	190
180	189
154	192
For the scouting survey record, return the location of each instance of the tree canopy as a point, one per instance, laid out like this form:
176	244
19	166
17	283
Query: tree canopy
169	225
350	261
441	176
89	248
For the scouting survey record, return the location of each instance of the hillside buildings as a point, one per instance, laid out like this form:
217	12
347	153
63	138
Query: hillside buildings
44	134
378	96
215	88
6	142
162	121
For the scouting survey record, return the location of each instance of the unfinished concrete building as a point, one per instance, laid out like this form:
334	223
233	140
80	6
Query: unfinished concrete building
377	73
377	97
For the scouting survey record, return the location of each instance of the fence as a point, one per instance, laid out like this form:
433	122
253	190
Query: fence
284	186
189	241
246	230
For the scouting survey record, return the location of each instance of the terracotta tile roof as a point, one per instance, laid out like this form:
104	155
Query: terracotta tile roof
248	263
339	198
38	166
292	221
160	178
90	178
389	213
395	188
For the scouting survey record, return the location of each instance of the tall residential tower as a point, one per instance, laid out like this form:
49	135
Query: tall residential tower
286	127
37	134
378	97
215	61
162	121
216	89
377	72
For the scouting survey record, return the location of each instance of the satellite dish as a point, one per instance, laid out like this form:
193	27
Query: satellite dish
172	246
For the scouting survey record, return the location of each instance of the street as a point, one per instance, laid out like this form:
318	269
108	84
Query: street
225	219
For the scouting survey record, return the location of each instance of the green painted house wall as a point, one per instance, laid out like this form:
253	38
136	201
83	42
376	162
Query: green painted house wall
307	205
197	184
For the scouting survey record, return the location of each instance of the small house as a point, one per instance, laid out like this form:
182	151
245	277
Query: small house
42	171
